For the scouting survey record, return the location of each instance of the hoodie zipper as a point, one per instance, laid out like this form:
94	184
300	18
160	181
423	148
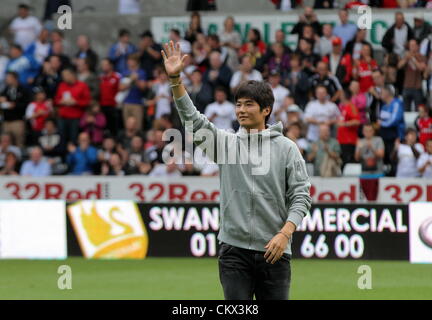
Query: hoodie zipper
252	199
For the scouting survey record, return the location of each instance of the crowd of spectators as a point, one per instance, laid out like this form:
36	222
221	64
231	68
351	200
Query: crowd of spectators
77	113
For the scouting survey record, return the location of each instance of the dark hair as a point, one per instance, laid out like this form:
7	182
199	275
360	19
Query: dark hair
258	91
257	34
123	32
23	6
17	46
176	32
110	61
214	37
294	124
147	34
13	74
221	88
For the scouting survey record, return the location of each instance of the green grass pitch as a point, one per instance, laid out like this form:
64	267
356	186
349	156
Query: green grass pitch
193	278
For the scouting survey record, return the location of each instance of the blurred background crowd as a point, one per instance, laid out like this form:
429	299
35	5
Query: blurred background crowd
79	113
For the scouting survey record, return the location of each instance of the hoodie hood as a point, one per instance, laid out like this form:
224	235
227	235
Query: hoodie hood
274	130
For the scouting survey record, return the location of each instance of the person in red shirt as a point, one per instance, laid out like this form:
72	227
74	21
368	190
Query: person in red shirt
254	44
71	99
109	87
348	124
37	112
423	124
363	68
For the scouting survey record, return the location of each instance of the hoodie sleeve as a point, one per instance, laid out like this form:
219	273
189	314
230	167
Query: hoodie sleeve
188	112
298	185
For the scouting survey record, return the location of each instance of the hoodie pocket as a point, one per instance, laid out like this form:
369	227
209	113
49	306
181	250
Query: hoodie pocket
236	215
267	220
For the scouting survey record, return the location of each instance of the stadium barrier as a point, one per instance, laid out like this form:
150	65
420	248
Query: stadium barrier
205	189
124	229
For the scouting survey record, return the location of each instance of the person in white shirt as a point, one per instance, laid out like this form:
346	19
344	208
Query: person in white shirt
24	27
320	111
407	154
424	163
40	49
246	72
221	112
279	93
185	46
163	94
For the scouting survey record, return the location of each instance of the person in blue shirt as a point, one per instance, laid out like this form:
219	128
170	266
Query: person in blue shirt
25	66
345	30
134	82
82	159
120	51
36	166
391	122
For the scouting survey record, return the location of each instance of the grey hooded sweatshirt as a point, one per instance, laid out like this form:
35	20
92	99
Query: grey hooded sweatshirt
254	203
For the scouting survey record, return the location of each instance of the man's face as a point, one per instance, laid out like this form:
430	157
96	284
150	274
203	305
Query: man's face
10	80
83	140
321	94
106	66
280	36
247	64
413	46
411	138
399	20
378	79
82	42
15	53
294	132
215	60
196	77
337	49
418	23
23	12
322	69
324	132
220	96
274	80
249	114
368	132
429	147
131	123
68	76
308	12
343	16
36	155
327	30
136	143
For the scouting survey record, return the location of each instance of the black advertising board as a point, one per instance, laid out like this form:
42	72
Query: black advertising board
331	231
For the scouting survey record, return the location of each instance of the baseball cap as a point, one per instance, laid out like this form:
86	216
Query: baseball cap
336	41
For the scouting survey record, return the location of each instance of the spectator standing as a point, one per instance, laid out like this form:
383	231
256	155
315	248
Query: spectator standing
120	51
308	17
297	82
37	113
345	29
40	49
109	82
423	124
93	122
162	91
194	27
279	93
86	52
364	67
36	166
199	91
72	97
185	45
391	121
246	72
330	82
131	130
323	46
406	154
25	66
325	154
218	74
294	133
50	77
397	36
51	142
320	111
229	36
339	64
221	112
347	128
13	102
6	146
25	28
355	46
359	100
422	29
150	55
137	163
424	163
413	64
86	75
81	159
370	152
135	86
11	165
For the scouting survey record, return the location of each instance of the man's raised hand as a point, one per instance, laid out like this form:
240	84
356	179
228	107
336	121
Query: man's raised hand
173	59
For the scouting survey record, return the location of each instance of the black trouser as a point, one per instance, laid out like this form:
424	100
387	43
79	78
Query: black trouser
348	151
244	273
112	115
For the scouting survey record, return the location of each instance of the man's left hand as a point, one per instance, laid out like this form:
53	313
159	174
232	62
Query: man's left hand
275	248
